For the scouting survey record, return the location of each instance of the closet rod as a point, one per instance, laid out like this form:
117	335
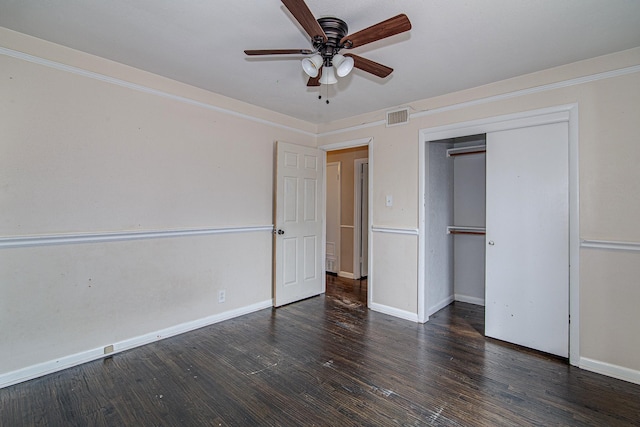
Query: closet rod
461	229
475	149
479	233
466	152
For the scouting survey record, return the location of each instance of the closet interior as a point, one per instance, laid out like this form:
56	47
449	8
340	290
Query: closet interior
456	225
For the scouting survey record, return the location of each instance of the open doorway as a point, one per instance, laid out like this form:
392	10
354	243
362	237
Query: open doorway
347	222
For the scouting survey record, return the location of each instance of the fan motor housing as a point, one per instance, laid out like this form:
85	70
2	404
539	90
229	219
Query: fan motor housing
335	29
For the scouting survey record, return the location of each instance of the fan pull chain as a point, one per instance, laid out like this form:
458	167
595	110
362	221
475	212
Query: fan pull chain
327	94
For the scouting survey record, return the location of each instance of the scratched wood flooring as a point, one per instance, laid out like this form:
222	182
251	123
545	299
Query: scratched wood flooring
326	361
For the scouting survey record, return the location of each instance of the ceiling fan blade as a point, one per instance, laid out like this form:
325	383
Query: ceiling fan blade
303	15
392	26
370	66
278	52
315	81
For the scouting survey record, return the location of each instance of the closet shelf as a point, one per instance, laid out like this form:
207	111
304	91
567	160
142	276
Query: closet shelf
462	151
456	229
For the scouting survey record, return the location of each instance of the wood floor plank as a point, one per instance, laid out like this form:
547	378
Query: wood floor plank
326	361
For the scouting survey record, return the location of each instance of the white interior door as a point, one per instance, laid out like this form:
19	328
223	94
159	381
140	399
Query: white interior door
333	218
527	235
298	270
362	218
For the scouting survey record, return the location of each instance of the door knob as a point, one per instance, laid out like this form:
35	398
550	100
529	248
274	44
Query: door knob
491	243
280	231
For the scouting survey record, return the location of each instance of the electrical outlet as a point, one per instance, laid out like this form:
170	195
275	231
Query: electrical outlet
222	296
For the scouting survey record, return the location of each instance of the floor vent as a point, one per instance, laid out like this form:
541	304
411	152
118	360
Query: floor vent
398	117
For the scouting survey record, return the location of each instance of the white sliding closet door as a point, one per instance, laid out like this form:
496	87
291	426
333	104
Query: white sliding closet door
527	256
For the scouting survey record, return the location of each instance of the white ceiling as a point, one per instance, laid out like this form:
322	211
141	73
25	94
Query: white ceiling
453	45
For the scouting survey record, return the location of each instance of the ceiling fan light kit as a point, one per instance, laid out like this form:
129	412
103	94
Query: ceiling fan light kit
312	65
343	64
328	76
330	35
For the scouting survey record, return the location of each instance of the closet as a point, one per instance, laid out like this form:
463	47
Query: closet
456	189
497	231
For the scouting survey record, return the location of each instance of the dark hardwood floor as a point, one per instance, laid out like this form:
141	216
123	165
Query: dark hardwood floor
346	289
326	361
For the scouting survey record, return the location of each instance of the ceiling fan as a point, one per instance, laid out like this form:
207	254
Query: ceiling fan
329	36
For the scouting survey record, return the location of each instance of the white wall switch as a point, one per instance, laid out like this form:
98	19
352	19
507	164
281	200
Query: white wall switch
389	200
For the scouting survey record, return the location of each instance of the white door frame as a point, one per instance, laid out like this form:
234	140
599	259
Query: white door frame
563	113
352	144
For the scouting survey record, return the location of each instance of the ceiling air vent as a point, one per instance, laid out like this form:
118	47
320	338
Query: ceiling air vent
398	117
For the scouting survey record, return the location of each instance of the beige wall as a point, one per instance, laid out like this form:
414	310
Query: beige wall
609	155
346	158
84	154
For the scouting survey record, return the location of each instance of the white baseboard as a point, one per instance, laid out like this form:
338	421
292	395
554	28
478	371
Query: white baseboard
439	306
470	300
346	275
35	371
610	370
391	311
